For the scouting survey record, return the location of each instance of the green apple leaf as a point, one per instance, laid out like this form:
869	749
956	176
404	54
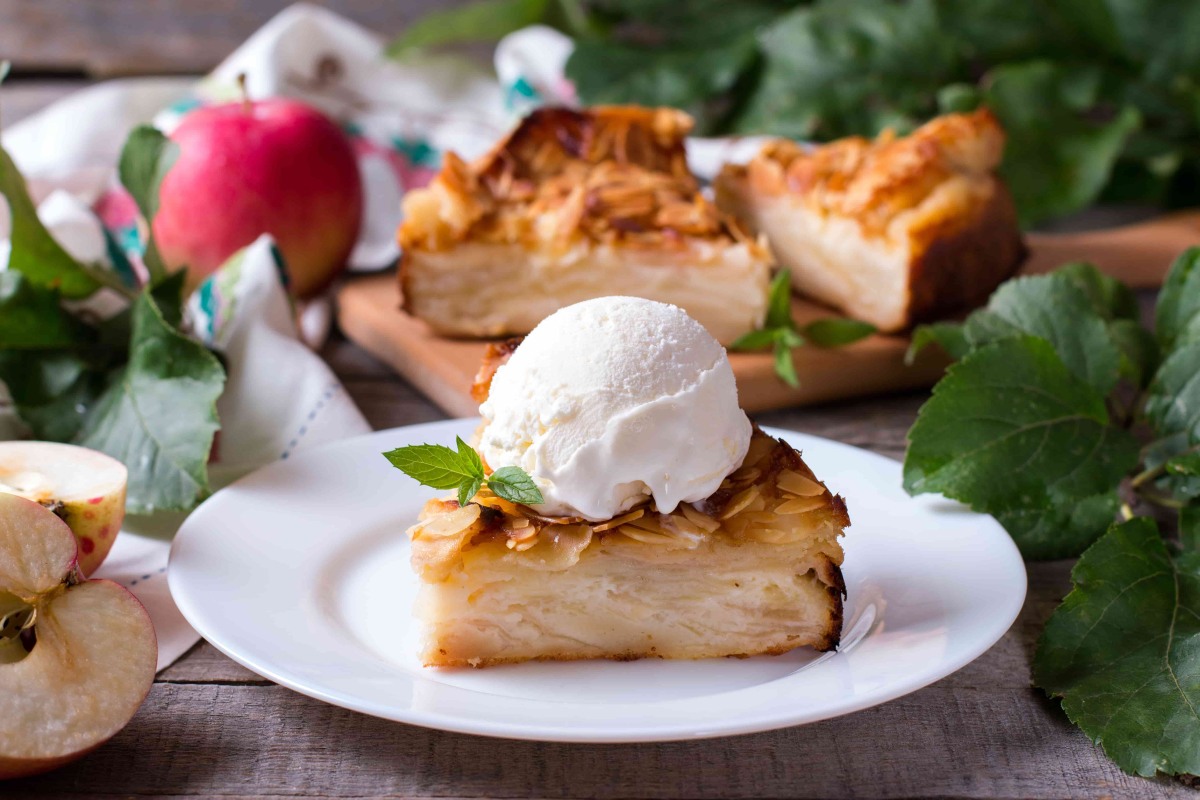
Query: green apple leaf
158	414
32	319
1178	314
51	390
35	253
1010	429
1187	464
514	485
1189	528
1173	400
1060	154
481	21
1110	298
145	160
1055	308
950	336
1123	651
1064	528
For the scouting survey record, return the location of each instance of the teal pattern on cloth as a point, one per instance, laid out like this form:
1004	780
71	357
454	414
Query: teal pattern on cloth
418	151
520	95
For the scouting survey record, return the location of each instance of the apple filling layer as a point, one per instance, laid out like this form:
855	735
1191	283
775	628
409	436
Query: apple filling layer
753	569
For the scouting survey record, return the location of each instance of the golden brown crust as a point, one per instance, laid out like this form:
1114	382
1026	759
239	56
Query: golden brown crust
497	354
606	175
874	180
959	262
931	200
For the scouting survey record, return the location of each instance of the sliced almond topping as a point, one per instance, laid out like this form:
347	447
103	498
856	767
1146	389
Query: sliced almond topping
800	505
740	501
794	482
451	524
702	521
617	522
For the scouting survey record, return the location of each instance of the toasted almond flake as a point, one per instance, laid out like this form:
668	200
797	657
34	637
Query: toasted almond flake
702	521
676	523
792	481
451	524
740	501
617	522
800	505
647	522
522	522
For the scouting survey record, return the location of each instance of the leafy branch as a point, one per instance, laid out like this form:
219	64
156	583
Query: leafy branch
780	333
1022	427
132	385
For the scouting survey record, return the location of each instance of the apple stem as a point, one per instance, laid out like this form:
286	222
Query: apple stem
241	82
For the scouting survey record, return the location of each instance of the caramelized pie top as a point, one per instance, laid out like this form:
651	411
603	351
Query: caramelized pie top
874	181
608	174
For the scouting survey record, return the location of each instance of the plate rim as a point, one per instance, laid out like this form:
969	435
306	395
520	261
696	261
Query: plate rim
567	734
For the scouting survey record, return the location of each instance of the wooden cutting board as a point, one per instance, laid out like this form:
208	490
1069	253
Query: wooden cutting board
369	314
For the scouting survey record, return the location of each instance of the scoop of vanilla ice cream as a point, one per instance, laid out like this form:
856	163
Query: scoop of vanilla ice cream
614	399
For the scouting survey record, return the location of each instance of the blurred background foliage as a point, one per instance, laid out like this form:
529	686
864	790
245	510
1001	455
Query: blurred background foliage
1100	98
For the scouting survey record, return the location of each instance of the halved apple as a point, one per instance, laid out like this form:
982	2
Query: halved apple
83	487
77	657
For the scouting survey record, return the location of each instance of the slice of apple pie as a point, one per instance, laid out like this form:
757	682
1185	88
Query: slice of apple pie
754	569
574	205
892	231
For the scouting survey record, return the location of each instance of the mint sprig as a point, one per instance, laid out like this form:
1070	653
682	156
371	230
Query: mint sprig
1064	418
441	467
781	334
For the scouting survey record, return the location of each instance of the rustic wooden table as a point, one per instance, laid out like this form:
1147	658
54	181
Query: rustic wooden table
211	728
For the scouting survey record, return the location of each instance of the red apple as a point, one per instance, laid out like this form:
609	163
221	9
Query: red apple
84	488
246	168
76	657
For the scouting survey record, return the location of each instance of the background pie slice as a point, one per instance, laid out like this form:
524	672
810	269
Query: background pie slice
574	205
892	231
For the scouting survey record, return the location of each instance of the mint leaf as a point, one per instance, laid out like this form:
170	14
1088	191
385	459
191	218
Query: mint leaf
1173	400
158	414
1010	428
481	21
468	489
754	340
836	332
514	485
435	465
950	336
1055	308
35	253
779	301
1123	651
1177	316
785	365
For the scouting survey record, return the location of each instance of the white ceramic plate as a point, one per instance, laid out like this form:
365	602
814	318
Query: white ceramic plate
300	572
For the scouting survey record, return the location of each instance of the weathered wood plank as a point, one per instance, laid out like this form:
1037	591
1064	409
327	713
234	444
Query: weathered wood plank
264	740
123	37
